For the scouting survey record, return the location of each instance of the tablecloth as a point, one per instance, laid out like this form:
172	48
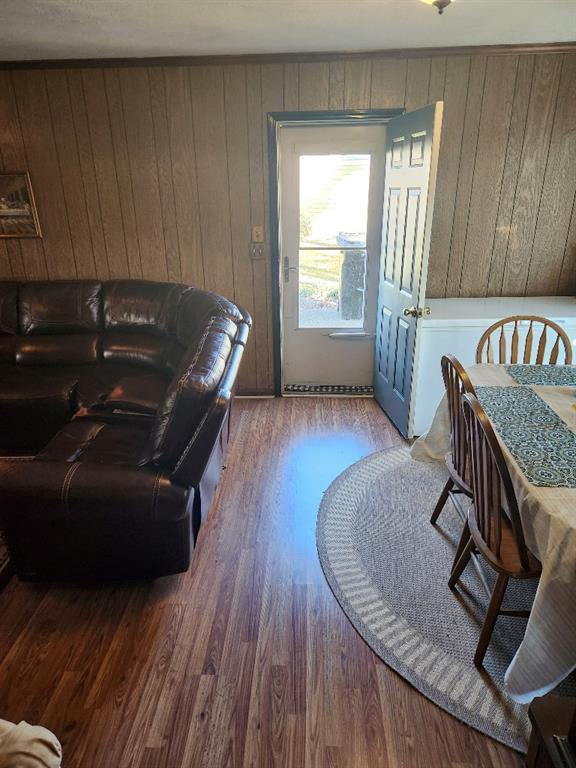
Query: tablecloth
547	653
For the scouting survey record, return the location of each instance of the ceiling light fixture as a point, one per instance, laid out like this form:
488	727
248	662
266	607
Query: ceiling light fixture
440	4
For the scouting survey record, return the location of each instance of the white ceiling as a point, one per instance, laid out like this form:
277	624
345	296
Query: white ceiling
63	29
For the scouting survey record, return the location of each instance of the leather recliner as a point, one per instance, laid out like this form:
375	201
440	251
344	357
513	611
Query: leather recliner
120	393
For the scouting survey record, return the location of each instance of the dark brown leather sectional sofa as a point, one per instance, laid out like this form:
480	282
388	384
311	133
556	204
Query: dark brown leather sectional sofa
119	393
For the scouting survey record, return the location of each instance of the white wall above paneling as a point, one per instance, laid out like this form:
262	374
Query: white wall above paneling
64	29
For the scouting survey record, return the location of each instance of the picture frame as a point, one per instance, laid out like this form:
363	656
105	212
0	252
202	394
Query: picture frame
18	214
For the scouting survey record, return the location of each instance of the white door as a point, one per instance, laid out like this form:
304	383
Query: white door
331	191
412	144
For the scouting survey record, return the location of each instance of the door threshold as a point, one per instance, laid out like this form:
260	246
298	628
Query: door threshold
345	390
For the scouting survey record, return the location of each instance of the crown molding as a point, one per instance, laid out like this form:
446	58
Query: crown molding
292	58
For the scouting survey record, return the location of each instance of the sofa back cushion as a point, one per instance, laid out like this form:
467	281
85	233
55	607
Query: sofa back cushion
61	307
195	310
138	305
8	320
59	322
140	322
187	397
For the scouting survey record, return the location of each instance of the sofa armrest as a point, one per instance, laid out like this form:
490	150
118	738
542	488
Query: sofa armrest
195	456
67	520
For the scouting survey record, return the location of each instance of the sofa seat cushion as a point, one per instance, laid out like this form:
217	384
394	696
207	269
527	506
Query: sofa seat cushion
33	409
91	441
138	393
96	382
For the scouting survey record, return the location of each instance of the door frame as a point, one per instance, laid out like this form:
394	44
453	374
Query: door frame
277	120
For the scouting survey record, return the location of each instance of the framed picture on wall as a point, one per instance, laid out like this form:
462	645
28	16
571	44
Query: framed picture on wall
18	215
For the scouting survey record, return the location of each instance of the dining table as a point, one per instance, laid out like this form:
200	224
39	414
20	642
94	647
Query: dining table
533	411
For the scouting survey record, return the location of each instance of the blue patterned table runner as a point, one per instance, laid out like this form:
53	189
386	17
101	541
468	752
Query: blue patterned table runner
544	375
537	438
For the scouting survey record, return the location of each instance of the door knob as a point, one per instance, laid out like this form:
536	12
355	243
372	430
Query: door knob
417	312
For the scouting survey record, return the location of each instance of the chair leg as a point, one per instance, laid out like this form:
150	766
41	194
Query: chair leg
490	620
463	561
442	500
464	539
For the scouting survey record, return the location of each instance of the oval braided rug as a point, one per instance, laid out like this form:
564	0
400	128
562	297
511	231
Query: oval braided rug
388	568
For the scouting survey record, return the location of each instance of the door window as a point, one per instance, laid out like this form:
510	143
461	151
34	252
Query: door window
333	223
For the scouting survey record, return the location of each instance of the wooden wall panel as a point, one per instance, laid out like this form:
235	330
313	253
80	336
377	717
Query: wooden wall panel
466	164
256	143
164	167
239	193
388	88
535	152
336	85
12	158
144	172
492	142
88	171
71	173
272	101
417	83
568	272
558	191
437	79
456	85
106	173
207	90
314	85
118	121
510	176
40	151
161	172
357	83
184	177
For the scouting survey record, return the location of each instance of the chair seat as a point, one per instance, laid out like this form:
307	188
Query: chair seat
509	561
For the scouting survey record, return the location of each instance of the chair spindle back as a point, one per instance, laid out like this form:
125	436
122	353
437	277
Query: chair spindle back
492	489
457	382
538	327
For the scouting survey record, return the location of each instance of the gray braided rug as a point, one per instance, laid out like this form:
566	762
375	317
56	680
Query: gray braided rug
388	568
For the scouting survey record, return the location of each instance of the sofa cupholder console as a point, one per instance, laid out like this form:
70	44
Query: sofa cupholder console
120	392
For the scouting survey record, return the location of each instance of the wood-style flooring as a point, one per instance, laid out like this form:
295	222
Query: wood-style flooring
247	659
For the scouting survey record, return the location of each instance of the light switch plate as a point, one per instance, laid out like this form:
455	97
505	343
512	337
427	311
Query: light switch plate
257	233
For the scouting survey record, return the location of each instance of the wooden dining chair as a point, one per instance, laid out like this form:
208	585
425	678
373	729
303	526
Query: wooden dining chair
456	382
493	528
538	326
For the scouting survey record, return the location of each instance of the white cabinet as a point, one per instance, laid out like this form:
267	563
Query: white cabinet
455	326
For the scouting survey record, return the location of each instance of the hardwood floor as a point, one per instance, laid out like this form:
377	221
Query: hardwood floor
247	659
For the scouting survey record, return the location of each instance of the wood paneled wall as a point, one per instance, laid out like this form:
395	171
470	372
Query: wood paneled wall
160	172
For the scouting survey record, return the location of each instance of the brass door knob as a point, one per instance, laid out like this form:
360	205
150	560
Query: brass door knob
417	312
